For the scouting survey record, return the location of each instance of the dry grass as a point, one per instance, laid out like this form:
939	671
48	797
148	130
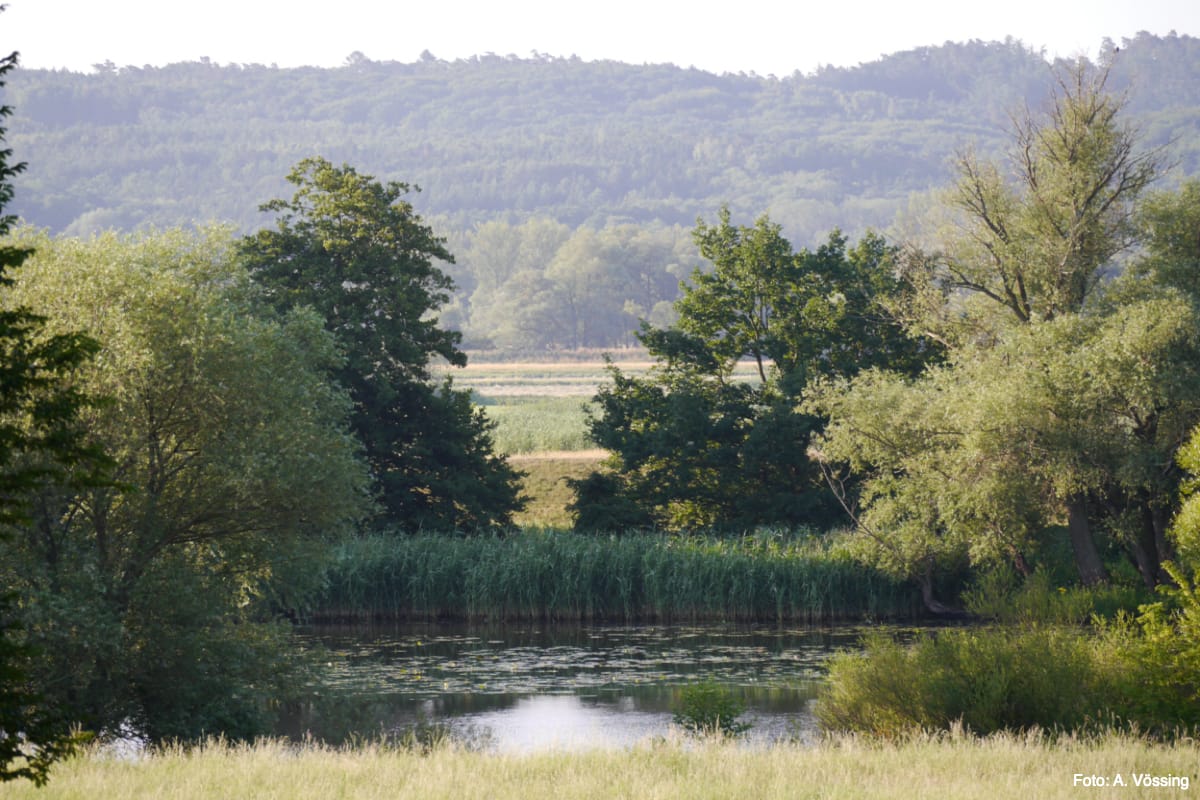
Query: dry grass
958	767
545	484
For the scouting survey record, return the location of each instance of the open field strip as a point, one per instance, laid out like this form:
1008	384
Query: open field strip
549	379
1019	767
593	455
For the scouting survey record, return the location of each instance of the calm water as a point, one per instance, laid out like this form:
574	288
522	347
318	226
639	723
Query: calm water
520	688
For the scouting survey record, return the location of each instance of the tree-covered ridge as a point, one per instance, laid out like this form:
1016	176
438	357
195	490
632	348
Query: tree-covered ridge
507	138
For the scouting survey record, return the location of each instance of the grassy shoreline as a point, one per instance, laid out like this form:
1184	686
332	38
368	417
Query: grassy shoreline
947	766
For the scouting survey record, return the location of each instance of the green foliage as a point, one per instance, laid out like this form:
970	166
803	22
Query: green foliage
1161	659
1169	221
41	441
695	448
1139	672
986	679
601	503
845	145
557	575
998	594
233	468
1063	395
538	286
584	149
349	247
709	709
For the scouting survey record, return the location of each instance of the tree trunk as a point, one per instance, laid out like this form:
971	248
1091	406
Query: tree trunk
1087	558
932	604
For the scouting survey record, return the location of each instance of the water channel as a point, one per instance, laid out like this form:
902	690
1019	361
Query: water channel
520	688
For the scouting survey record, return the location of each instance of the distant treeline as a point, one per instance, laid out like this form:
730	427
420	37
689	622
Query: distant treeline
547	173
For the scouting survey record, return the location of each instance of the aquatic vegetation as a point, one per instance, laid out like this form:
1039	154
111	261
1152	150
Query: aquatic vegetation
565	576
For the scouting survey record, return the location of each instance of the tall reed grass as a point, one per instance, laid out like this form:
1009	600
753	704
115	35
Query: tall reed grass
565	576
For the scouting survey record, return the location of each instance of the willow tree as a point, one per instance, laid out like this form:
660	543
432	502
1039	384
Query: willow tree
1030	246
233	465
1031	239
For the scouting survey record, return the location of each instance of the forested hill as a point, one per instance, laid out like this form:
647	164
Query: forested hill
511	138
566	187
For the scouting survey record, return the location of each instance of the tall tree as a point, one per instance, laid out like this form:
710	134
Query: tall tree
41	440
1033	241
354	250
694	446
233	469
1018	294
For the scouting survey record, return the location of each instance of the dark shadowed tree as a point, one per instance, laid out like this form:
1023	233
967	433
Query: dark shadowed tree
40	441
354	250
695	446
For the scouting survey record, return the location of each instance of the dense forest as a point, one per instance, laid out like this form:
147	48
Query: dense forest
565	188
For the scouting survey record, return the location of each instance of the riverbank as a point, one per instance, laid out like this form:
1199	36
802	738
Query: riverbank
949	766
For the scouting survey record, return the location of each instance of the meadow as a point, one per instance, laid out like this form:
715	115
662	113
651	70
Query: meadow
950	765
539	411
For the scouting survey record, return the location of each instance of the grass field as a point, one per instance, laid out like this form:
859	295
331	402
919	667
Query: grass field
545	484
529	425
538	408
939	768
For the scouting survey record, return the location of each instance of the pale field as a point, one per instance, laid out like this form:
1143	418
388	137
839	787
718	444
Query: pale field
549	378
538	379
944	768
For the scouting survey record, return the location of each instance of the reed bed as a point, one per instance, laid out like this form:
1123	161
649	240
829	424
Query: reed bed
638	577
944	766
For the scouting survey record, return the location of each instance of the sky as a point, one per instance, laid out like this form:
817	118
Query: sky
762	36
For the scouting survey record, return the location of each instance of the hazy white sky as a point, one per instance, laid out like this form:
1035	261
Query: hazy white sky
763	36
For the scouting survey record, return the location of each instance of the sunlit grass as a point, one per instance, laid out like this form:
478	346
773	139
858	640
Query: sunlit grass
950	766
577	378
545	485
527	425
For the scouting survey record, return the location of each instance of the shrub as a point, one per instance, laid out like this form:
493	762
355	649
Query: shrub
709	709
1000	595
987	680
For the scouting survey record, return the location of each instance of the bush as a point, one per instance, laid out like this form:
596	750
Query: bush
709	709
987	680
1159	659
1000	595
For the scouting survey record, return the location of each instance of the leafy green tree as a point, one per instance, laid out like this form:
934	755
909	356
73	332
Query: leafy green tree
351	248
1034	242
693	446
150	599
1064	395
40	441
976	458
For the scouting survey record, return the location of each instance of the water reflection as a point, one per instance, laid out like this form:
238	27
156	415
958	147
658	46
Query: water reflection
519	688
